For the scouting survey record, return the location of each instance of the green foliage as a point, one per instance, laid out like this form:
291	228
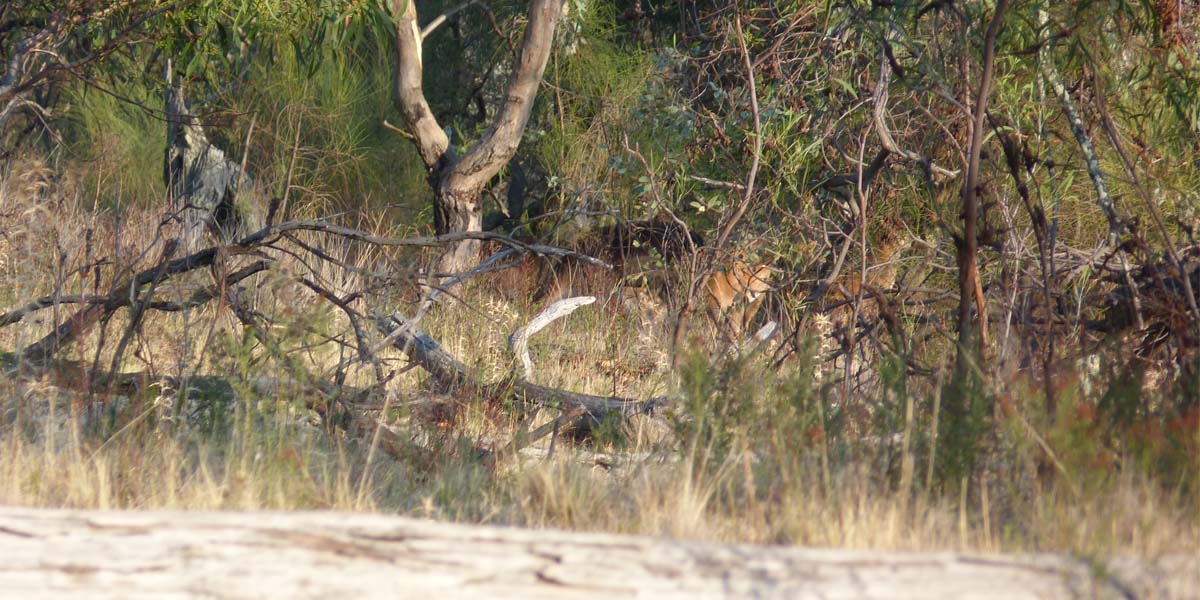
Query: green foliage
212	39
716	410
964	427
329	114
122	142
595	100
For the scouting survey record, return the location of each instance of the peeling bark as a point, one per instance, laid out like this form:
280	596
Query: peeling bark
204	185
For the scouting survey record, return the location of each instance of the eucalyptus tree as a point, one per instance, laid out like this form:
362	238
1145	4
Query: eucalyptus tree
458	181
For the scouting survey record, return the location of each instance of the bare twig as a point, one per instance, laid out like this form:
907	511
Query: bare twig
139	308
438	20
748	192
725	185
518	342
879	114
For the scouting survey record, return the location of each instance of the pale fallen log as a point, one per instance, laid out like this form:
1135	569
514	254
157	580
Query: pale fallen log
97	555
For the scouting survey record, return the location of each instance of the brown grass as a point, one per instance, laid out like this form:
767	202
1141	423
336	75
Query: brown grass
744	461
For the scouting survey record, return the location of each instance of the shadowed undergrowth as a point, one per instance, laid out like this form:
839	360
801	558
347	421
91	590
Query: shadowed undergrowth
747	451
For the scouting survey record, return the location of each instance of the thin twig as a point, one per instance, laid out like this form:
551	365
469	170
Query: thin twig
748	194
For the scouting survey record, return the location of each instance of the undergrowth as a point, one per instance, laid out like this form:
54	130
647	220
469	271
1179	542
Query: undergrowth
748	451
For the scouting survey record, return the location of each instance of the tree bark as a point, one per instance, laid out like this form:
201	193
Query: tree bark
431	140
209	192
459	182
971	333
132	555
452	375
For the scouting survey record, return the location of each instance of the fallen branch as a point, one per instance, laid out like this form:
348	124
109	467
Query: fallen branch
752	343
453	375
122	295
126	292
518	342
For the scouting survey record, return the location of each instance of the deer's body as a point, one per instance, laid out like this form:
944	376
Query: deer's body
735	294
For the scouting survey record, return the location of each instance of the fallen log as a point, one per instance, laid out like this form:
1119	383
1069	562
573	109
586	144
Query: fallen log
51	554
452	375
518	342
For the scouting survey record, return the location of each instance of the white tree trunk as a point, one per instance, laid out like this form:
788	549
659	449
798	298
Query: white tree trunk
131	555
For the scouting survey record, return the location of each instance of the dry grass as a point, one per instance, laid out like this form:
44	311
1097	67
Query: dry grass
742	460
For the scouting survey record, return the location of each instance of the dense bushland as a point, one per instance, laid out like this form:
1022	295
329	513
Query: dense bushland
978	222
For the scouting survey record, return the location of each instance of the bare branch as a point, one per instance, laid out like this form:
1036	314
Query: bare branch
432	141
1103	198
438	20
518	342
499	142
452	374
748	193
881	127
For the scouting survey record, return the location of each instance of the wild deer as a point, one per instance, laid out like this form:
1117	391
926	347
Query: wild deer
734	295
641	252
880	276
859	297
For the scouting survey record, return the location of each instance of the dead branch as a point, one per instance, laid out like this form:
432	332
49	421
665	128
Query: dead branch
122	294
442	18
752	343
271	233
452	375
713	183
199	298
550	428
518	342
879	114
126	292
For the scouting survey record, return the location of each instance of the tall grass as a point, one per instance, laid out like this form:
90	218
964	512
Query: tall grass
748	452
326	112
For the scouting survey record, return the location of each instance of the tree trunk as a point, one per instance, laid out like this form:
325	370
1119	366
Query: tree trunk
458	210
208	191
131	555
459	182
972	333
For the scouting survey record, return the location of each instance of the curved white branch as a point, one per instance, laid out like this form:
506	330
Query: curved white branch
518	342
